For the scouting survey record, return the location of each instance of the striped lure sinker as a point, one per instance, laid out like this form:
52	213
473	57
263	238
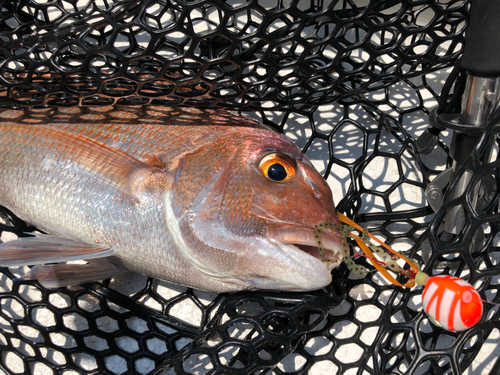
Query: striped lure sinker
452	302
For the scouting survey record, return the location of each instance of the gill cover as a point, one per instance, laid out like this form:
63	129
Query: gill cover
214	196
200	206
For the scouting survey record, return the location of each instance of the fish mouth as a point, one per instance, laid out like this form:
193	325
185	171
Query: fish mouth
303	239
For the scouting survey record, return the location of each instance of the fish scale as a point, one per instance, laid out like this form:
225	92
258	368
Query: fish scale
102	219
185	203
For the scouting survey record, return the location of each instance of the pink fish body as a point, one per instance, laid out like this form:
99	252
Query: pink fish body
452	302
179	196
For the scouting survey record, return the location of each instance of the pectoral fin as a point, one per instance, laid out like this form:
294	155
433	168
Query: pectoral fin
48	249
59	275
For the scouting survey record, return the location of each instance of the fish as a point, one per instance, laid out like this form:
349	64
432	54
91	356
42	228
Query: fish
207	199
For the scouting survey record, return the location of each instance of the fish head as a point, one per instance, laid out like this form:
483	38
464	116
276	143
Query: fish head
246	207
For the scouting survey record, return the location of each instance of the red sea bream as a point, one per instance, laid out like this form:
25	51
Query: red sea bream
207	199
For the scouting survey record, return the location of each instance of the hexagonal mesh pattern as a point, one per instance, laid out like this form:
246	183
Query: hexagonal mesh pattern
352	83
266	54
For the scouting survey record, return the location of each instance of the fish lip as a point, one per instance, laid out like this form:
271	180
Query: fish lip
302	238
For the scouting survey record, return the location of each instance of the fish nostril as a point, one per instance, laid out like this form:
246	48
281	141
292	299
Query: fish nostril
313	186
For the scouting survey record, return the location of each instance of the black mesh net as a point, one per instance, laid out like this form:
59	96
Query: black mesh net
291	55
352	83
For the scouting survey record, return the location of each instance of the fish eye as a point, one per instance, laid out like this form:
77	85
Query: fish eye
278	167
276	172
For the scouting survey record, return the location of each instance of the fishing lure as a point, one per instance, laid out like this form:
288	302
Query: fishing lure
452	302
449	301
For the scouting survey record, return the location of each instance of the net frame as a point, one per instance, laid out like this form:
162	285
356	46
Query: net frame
332	70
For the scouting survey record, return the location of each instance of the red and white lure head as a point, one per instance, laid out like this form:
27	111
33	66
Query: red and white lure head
451	302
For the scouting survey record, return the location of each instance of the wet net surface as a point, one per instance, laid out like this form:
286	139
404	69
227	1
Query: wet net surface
352	83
